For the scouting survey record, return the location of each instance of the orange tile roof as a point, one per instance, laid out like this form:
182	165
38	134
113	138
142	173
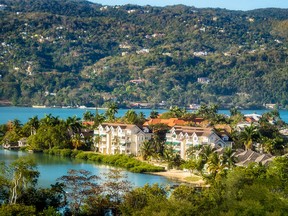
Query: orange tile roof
88	123
170	122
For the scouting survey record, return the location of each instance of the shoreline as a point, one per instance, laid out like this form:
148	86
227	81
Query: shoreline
181	176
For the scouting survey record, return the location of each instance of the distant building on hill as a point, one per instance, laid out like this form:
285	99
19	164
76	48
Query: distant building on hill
203	80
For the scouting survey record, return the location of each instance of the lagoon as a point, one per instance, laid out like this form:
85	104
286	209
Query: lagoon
24	113
52	167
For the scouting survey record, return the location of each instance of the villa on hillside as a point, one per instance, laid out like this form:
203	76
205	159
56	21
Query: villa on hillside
182	137
112	138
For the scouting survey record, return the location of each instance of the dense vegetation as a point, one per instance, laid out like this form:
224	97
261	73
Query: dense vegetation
118	160
254	190
64	52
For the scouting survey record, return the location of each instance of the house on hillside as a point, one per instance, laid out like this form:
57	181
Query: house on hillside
112	138
183	137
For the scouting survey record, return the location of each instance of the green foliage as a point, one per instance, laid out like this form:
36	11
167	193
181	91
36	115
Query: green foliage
74	49
117	160
17	209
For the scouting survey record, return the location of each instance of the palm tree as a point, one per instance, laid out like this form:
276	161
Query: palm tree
16	123
141	118
207	150
146	149
177	112
34	124
98	119
131	116
50	120
88	116
215	165
154	114
229	158
111	111
76	141
249	135
234	111
73	124
97	140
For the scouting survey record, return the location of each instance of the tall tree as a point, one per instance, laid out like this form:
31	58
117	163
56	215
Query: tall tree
88	116
249	135
18	177
34	124
79	186
111	111
74	125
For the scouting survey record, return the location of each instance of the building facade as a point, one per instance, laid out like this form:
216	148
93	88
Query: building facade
181	138
113	138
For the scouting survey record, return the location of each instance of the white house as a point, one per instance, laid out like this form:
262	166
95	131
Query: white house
182	137
112	138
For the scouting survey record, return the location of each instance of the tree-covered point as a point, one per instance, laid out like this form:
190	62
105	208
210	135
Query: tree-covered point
79	53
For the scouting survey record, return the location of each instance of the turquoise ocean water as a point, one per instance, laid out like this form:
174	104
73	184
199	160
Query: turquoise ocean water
24	113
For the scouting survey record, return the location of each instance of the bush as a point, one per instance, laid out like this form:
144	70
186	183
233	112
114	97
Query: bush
96	158
119	160
66	152
74	153
82	155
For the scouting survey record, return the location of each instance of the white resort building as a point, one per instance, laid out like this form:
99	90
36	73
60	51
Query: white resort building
182	137
112	138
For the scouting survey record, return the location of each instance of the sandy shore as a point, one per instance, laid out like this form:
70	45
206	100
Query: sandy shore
179	175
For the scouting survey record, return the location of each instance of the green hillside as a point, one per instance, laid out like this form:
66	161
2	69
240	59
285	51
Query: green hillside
69	52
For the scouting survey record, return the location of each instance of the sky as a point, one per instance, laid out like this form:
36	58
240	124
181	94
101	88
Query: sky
228	4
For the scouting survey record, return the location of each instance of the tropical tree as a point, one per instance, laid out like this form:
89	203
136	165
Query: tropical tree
146	149
17	177
228	157
88	116
73	124
115	187
34	124
154	114
79	185
159	138
249	135
99	118
48	137
141	118
215	166
205	153
111	111
16	124
97	140
131	117
77	141
50	120
177	111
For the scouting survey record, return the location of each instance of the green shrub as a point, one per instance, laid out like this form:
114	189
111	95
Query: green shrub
82	155
96	158
74	153
66	152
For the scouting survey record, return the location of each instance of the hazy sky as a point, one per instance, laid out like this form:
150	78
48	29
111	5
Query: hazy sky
228	4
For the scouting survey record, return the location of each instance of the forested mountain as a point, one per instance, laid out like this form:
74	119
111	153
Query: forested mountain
68	52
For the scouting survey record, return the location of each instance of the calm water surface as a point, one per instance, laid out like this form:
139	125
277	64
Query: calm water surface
52	167
24	113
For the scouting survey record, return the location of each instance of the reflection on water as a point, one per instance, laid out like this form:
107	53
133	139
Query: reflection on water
52	167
